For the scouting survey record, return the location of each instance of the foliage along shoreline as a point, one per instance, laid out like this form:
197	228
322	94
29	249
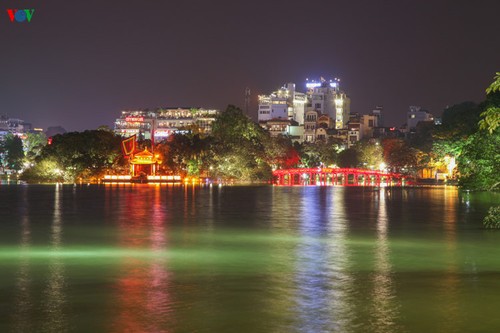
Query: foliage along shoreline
240	150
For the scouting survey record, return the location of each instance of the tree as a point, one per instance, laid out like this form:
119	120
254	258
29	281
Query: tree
238	147
319	153
448	140
422	139
399	156
461	119
370	154
479	162
280	153
491	116
186	154
33	144
71	156
14	153
349	158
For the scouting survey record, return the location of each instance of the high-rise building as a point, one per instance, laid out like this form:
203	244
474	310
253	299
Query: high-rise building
327	98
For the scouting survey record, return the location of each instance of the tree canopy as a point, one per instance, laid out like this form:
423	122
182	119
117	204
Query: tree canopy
14	153
490	118
77	155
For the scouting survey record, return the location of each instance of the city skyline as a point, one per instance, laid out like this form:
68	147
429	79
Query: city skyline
79	65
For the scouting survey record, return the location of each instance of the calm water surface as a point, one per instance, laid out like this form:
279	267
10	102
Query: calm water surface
149	258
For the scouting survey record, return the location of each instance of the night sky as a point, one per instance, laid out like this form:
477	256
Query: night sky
78	63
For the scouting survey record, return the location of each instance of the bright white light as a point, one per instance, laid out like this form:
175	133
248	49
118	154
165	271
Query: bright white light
313	84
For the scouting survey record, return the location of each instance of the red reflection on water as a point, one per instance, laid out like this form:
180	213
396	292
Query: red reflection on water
142	289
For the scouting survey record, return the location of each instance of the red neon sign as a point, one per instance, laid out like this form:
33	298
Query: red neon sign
134	119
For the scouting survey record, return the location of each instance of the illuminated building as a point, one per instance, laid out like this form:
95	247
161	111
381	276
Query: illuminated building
158	124
322	108
354	134
144	163
272	107
310	125
327	98
278	126
285	103
295	133
13	126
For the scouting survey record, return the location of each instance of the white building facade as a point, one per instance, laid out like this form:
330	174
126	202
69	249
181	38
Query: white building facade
159	124
285	103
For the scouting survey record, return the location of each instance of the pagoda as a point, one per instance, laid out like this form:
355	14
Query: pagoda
144	163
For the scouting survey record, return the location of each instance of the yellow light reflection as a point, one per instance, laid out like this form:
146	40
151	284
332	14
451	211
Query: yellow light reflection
384	309
55	293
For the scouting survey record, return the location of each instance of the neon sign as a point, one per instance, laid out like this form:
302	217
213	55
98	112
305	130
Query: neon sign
134	119
313	84
319	84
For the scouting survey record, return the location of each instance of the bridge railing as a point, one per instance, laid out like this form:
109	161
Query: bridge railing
338	176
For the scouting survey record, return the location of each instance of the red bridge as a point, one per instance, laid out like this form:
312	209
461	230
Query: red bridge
338	176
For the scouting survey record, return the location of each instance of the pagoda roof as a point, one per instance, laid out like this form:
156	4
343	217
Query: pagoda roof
144	157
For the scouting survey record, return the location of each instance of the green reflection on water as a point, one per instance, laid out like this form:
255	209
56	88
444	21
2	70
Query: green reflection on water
297	260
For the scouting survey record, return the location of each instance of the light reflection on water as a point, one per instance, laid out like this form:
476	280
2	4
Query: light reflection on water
142	288
23	305
302	259
321	273
54	305
385	308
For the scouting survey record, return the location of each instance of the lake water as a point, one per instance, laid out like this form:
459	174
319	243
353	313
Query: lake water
151	258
